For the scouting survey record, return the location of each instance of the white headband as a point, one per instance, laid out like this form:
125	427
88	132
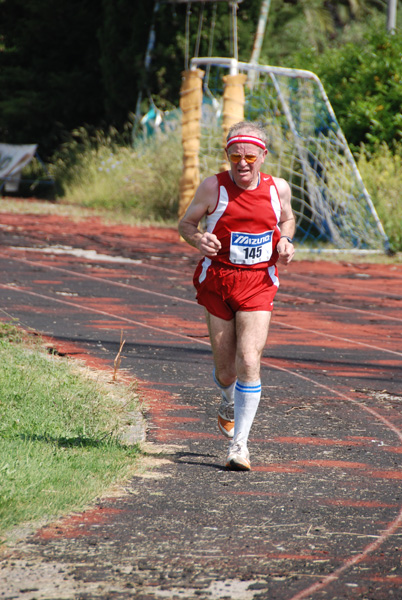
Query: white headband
246	139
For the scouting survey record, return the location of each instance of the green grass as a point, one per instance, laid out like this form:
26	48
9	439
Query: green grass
382	174
103	172
59	443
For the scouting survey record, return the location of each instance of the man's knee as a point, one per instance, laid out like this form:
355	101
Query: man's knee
248	366
225	375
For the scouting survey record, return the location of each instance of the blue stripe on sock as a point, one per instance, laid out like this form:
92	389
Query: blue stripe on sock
251	389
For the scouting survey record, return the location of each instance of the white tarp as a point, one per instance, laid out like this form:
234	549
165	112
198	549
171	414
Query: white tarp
13	158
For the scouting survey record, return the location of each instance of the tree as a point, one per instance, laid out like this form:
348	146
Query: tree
49	69
364	85
122	38
69	63
391	16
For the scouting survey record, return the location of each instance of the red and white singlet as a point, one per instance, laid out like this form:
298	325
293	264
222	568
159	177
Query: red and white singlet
246	224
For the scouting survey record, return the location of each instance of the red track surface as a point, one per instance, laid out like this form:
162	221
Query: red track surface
328	435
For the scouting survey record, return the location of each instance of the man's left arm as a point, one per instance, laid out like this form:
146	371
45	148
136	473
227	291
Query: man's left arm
287	224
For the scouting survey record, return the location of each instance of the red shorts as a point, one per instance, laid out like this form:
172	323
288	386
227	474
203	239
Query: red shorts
224	290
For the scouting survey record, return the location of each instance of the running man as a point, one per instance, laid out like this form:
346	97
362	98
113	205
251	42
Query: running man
249	228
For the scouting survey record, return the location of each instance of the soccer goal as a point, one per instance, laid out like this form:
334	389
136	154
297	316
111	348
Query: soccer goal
306	147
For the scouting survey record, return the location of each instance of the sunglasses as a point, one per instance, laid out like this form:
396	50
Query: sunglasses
236	158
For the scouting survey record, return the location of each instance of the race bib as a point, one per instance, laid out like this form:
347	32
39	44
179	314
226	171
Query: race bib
250	248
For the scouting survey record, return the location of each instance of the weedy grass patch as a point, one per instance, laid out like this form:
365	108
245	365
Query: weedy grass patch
382	173
59	433
101	171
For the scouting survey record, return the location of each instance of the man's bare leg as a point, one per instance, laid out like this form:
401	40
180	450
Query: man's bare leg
251	334
223	342
237	347
222	335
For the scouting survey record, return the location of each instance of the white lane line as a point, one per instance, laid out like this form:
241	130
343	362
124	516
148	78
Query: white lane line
184	300
394	525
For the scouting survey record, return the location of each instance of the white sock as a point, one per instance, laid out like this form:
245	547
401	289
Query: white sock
246	400
227	392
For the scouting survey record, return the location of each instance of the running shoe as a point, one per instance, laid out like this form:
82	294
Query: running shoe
238	458
226	419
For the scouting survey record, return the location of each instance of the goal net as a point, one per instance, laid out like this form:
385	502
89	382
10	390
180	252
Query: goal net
306	147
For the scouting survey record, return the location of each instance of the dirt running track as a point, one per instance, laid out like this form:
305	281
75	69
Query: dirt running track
320	514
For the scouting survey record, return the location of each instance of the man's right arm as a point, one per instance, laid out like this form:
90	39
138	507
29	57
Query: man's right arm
204	201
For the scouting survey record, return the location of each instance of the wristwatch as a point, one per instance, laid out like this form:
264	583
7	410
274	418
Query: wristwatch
287	238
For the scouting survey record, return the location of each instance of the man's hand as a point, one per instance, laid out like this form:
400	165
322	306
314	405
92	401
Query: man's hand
286	251
287	224
208	244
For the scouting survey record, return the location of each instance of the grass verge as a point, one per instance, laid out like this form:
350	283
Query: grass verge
382	174
59	433
102	172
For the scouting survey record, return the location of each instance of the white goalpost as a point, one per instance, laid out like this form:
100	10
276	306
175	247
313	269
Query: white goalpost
306	147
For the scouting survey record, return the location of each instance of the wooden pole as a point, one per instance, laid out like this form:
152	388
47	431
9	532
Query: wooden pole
191	105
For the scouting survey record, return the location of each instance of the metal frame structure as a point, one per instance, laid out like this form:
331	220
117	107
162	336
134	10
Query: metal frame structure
234	67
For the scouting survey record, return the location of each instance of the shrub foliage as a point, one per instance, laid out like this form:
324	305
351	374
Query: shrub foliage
364	85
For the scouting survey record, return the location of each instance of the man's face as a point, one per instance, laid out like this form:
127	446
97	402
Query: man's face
244	171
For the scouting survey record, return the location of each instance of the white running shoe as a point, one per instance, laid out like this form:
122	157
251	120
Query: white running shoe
226	419
238	458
